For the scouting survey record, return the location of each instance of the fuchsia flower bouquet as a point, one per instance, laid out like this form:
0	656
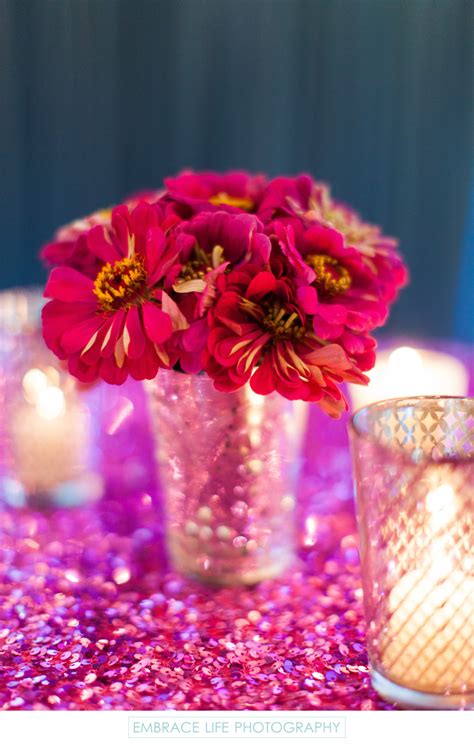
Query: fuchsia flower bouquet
237	298
245	279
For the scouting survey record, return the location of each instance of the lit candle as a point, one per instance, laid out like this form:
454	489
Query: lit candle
49	434
428	643
431	646
407	372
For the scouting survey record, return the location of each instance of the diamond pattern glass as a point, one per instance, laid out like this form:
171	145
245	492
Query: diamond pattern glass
414	475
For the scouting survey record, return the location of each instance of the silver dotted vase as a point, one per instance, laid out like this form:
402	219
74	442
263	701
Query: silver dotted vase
228	468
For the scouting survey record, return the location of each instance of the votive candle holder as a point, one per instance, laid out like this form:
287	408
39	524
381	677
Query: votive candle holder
414	476
49	426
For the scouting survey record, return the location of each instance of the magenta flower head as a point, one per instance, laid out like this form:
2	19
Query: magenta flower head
235	191
303	202
261	333
343	295
217	241
119	322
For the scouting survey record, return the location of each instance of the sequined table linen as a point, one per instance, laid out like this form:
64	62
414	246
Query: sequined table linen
92	619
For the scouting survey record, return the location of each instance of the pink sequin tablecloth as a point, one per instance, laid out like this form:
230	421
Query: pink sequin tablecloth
91	618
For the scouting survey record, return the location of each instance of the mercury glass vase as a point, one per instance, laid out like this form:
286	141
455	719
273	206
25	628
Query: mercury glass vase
414	475
228	465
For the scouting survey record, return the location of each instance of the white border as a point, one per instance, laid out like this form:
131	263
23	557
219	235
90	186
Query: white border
361	727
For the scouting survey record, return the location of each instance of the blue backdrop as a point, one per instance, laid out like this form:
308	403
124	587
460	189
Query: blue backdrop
99	98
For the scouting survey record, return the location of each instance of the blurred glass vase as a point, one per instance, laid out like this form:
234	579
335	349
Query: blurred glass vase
48	458
228	467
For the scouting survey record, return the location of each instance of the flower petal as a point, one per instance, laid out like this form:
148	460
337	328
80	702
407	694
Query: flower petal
308	299
78	337
334	314
261	381
195	337
99	243
326	330
154	247
263	283
69	285
114	332
58	317
146	366
83	371
192	285
111	373
158	324
134	337
332	356
170	307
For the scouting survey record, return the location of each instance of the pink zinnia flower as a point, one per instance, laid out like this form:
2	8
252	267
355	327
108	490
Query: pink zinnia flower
343	296
379	252
218	241
260	333
118	323
311	202
286	196
234	191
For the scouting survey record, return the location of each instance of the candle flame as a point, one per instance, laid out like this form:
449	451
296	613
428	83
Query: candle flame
405	358
34	382
406	372
50	403
441	503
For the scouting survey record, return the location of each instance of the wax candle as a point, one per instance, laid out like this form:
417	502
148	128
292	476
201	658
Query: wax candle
50	451
428	644
49	440
406	371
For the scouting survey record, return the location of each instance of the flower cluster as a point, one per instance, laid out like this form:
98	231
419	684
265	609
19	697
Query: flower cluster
245	279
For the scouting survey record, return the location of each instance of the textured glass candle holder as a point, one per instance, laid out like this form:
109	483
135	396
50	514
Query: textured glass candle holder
414	476
48	456
228	467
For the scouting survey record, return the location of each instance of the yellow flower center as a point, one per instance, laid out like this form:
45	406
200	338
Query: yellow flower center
122	284
281	323
231	201
197	267
331	276
193	270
